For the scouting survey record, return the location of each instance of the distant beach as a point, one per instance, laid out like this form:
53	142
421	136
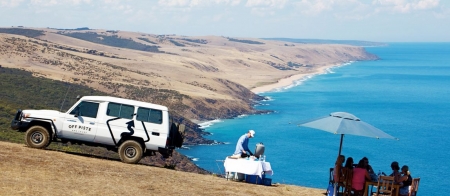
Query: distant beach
284	82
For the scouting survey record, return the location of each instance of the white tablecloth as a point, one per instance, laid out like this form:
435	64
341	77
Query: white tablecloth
249	167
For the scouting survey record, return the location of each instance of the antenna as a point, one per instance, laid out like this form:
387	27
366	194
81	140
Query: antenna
62	104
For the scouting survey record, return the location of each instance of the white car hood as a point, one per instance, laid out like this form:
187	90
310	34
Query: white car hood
42	113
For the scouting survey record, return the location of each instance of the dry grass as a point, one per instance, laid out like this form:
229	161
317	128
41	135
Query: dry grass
27	171
199	63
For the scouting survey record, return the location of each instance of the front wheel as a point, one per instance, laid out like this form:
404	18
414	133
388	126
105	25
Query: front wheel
130	151
37	137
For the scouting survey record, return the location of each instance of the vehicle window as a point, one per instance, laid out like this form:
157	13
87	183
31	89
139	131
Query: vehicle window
120	110
149	115
86	109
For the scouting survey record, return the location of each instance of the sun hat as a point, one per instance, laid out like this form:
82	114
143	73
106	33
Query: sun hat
252	133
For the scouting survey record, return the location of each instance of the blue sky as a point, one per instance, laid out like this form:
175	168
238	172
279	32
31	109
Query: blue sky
370	20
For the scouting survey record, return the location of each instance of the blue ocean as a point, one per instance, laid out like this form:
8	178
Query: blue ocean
406	94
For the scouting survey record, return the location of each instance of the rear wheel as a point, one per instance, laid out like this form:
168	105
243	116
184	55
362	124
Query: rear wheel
130	151
37	137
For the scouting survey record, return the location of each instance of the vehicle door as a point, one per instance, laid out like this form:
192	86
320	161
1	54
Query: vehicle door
117	122
149	124
81	122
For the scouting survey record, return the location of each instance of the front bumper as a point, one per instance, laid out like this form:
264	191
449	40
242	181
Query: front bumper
17	123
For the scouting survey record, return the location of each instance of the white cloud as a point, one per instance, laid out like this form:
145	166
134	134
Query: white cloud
111	1
426	4
173	3
404	6
10	3
235	2
314	7
47	3
76	2
196	3
126	9
266	3
44	2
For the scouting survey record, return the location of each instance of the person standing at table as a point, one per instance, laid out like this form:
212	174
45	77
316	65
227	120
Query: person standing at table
242	145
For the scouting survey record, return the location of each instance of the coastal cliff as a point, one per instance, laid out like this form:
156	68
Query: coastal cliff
200	78
197	78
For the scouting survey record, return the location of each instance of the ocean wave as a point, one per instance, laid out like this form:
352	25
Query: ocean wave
297	82
207	124
329	70
195	159
267	98
242	116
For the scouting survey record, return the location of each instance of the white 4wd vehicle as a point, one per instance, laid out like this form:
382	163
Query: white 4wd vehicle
132	128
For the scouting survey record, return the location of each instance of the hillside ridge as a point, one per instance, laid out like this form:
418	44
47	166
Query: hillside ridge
201	78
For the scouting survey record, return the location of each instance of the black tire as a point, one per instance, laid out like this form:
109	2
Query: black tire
37	137
130	151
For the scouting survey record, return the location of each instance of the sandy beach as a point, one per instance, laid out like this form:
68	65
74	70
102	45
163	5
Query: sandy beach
284	82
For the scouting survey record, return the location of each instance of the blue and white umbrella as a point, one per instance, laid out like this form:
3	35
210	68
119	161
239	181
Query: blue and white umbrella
345	123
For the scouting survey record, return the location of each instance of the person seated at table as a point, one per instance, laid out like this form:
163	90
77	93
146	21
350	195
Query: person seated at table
337	172
349	163
367	165
360	175
395	172
242	145
369	169
405	180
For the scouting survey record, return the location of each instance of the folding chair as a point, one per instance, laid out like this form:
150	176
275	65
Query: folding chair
414	187
348	177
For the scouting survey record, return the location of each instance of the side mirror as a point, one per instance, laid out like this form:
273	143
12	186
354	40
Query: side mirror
77	112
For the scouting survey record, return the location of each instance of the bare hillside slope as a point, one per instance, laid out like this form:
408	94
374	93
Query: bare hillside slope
199	77
27	171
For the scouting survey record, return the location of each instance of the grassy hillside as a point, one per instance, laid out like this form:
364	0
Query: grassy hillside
22	31
20	90
114	41
27	171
